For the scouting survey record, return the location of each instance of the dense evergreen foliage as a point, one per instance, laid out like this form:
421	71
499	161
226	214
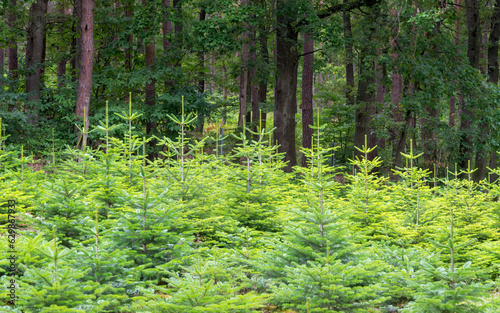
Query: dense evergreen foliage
197	231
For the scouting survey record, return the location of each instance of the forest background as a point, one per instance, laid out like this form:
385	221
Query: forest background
391	70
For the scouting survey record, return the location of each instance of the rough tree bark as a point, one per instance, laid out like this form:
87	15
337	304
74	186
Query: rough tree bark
349	66
13	63
244	72
167	45
2	60
285	105
35	48
264	54
86	68
307	94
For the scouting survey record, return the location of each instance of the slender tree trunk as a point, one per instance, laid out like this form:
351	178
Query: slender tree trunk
307	94
244	72
254	92
349	67
150	86
130	41
473	51
264	54
201	82
35	51
285	106
167	45
13	63
2	60
61	64
87	62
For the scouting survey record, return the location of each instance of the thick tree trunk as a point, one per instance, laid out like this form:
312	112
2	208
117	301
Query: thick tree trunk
473	51
35	51
365	99
13	62
86	68
307	94
285	106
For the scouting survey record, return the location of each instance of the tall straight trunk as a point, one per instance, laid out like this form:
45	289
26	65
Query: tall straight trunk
130	42
254	84
61	64
35	51
2	60
307	94
201	82
244	73
86	68
285	106
178	27
76	44
453	98
473	52
349	67
150	85
13	62
167	45
364	99
264	54
399	132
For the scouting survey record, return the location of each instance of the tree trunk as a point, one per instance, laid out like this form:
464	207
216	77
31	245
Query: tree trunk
130	42
285	105
61	64
167	45
244	72
349	67
473	51
86	68
364	99
35	51
12	50
201	82
307	94
264	54
2	60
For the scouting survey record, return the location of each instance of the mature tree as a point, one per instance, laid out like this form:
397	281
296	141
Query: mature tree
307	93
12	49
35	49
86	68
286	80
